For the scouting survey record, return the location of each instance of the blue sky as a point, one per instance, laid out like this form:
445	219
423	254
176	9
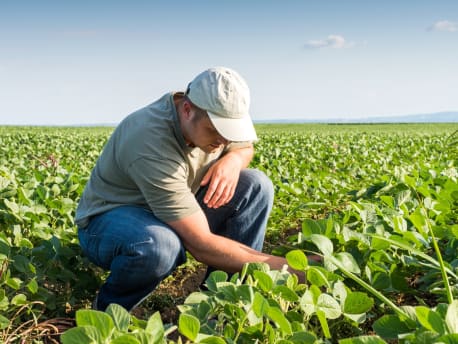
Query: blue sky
74	62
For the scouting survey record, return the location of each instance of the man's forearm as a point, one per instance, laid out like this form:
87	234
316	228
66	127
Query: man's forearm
244	154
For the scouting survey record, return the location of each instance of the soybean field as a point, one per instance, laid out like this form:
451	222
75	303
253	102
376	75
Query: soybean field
378	203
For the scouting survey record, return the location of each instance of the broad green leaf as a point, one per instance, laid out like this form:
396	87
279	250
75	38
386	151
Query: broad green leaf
316	277
21	263
419	221
155	327
120	316
285	293
82	335
33	286
451	338
196	298
143	337
390	327
19	299
14	282
244	293
357	303
403	197
297	260
277	316
125	339
260	305
363	340
4	322
101	320
329	306
429	319
348	262
13	206
309	300
264	280
215	278
310	227
212	340
189	326
323	244
451	317
302	337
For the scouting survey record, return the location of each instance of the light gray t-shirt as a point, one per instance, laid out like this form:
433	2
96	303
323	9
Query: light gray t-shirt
147	163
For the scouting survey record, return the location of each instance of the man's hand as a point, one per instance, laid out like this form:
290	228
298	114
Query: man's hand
223	177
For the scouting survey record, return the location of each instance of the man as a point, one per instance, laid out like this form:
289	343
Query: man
173	177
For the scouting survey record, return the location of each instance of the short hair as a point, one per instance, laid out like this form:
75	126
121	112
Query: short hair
200	113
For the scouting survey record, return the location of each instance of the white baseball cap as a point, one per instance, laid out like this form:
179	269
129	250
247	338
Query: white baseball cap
224	94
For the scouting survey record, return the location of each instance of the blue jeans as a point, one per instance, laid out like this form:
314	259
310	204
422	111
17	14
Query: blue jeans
140	250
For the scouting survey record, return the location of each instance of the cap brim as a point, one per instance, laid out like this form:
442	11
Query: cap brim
234	129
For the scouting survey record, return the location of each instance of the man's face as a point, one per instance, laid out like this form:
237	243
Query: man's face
203	134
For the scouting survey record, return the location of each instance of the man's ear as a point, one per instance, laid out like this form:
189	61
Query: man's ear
187	109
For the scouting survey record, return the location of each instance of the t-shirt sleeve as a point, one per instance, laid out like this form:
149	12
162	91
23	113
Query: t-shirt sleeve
163	183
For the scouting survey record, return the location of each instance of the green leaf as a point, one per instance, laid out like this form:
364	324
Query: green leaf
419	221
4	322
310	227
329	306
451	338
196	298
297	260
403	197
363	340
143	337
155	327
277	316
303	337
264	280
101	320
33	286
120	316
357	303
215	278
260	305
430	319
323	243
212	340
12	206
21	263
82	335
390	327
125	339
286	293
316	277
189	326
451	318
324	323
19	299
14	283
348	262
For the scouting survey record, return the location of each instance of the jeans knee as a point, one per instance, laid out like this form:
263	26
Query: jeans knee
160	256
260	183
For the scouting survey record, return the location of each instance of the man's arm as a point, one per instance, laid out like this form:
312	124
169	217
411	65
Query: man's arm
218	251
224	174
